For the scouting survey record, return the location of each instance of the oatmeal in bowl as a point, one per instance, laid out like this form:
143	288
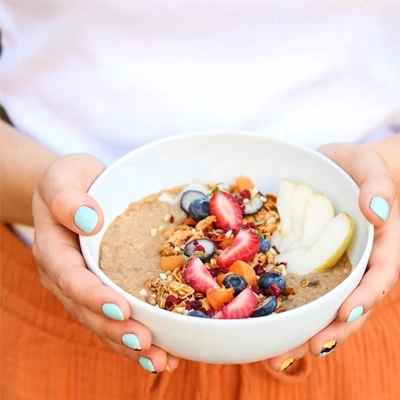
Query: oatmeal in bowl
195	251
264	259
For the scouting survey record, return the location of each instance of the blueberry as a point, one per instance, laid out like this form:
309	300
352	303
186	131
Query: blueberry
188	197
237	282
272	278
205	246
198	314
265	245
199	209
266	307
254	205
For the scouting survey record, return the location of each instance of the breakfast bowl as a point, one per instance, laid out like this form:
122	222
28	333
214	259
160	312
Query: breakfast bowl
221	156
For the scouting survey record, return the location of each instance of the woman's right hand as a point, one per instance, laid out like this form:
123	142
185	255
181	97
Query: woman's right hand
61	210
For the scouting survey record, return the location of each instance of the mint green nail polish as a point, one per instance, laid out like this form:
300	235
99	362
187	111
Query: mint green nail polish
132	341
355	313
112	311
86	219
147	364
380	207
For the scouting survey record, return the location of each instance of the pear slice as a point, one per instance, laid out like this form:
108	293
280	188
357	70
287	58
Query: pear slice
284	204
312	238
318	215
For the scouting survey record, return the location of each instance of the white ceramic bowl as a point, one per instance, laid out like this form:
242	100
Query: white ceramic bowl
221	156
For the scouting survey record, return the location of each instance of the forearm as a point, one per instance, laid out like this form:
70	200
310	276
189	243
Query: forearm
22	163
389	148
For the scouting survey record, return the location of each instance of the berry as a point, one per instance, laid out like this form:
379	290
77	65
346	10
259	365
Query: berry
265	245
265	307
268	279
198	314
199	209
226	210
204	248
253	205
188	197
242	306
244	248
197	276
237	282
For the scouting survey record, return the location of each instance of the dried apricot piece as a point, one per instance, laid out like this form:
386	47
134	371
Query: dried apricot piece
217	297
243	183
170	263
243	269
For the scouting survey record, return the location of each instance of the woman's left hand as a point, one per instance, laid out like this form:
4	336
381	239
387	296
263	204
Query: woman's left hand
378	202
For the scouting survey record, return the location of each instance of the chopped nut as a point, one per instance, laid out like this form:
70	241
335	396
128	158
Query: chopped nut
151	300
163	276
167	217
160	228
153	232
143	292
304	283
289	290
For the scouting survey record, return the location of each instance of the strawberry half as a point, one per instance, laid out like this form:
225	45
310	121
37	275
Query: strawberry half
197	276
242	306
227	210
244	247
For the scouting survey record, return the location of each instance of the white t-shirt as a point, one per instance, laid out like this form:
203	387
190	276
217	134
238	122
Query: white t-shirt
107	76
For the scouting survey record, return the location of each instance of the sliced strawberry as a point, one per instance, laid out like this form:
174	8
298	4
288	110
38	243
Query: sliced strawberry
197	276
227	210
244	248
242	306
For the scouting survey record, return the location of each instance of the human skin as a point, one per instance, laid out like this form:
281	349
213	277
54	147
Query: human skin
42	189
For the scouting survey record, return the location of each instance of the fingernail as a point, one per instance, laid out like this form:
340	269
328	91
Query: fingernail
355	313
132	341
168	369
86	219
327	348
380	207
147	364
286	364
112	311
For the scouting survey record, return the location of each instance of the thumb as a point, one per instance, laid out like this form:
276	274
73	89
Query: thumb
63	188
371	173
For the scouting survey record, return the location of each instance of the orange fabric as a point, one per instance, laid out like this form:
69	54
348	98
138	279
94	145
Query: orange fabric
46	355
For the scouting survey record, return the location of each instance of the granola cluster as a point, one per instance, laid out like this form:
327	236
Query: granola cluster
169	290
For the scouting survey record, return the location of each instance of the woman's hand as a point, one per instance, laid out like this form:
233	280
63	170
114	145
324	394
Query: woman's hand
378	202
61	210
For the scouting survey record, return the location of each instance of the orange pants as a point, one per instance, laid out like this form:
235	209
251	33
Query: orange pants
46	354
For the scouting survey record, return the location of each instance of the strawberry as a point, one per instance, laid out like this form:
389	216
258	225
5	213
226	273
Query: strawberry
197	276
227	210
242	306
244	247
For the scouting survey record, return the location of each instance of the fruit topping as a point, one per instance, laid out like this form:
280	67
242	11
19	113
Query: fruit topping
199	314
188	197
202	248
309	237
265	246
245	270
242	306
268	279
199	209
227	211
244	247
217	297
265	307
236	282
197	276
253	205
243	183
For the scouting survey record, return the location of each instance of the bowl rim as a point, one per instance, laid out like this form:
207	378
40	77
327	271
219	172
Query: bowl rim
253	322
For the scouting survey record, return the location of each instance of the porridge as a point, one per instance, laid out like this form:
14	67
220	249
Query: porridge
210	253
